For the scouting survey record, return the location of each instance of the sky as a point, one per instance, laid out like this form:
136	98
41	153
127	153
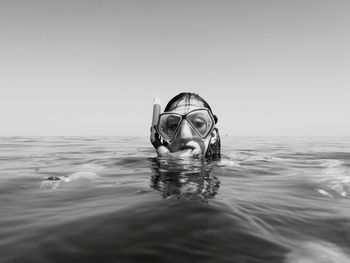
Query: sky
92	68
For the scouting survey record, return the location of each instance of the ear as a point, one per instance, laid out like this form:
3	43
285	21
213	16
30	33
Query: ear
214	136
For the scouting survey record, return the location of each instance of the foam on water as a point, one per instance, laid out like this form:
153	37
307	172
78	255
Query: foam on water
87	173
336	178
317	252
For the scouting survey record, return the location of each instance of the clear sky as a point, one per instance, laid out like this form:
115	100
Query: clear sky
93	67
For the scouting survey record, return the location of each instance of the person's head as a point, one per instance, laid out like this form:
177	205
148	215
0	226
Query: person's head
188	125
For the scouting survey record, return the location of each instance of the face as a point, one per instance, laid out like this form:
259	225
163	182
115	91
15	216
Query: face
186	141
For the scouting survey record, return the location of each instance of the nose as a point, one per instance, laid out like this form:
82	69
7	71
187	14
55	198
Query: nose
185	131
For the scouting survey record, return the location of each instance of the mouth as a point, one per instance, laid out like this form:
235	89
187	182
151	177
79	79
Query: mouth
189	149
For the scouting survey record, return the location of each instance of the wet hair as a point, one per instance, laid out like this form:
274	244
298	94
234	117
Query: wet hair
213	150
187	96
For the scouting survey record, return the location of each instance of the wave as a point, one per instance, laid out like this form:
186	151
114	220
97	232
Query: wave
335	178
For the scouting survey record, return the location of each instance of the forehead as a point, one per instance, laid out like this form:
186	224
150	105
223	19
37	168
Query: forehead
186	104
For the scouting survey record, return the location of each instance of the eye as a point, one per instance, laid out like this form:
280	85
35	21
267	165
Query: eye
172	127
199	124
172	123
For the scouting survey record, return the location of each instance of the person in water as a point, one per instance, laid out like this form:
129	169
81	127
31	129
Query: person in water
187	127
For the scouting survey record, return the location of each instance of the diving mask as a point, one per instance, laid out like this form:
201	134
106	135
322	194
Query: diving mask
201	121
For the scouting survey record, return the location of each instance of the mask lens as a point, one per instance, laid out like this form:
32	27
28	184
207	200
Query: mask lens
168	124
201	121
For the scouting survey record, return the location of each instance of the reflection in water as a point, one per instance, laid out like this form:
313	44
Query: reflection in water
184	178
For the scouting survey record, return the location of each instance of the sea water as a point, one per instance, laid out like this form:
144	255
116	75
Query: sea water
108	199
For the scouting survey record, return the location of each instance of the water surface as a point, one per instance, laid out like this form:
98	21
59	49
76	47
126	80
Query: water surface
108	199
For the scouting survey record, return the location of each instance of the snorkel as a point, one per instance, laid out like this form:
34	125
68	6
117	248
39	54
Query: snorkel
160	148
156	112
